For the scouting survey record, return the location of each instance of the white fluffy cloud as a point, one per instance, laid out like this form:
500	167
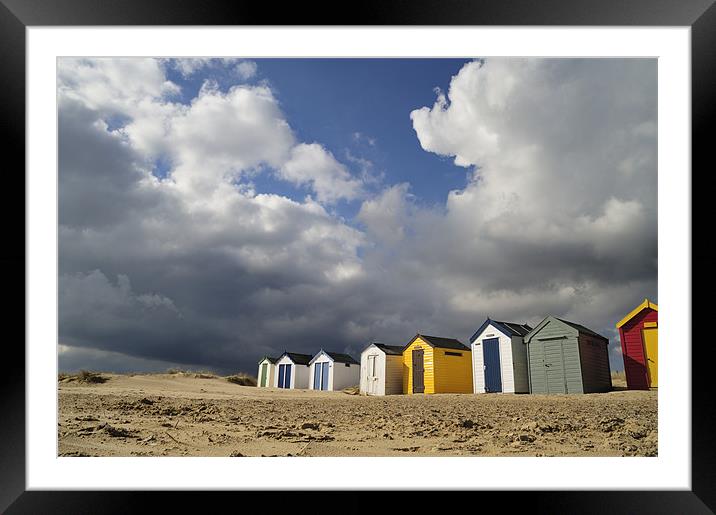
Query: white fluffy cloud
222	134
246	69
188	66
551	141
312	164
113	86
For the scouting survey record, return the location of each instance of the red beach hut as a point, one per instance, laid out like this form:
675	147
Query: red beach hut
638	332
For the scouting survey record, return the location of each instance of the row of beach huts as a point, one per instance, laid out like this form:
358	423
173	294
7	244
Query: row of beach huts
556	356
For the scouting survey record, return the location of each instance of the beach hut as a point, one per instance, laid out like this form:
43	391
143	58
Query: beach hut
432	364
292	370
565	357
267	371
381	369
638	332
499	358
333	371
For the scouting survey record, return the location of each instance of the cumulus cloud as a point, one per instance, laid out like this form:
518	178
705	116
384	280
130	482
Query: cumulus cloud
314	165
219	134
112	86
548	151
561	208
194	267
227	133
246	69
188	66
387	215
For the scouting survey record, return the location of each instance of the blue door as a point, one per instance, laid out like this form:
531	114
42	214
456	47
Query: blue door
281	371
493	375
287	381
324	380
317	376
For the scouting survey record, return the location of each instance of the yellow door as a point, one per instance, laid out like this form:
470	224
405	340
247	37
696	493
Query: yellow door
650	347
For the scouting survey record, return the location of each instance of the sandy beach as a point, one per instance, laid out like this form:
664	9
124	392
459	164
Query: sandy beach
185	415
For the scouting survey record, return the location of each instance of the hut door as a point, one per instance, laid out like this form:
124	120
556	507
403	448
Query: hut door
372	378
320	376
281	371
651	351
418	371
317	376
263	374
493	374
554	366
324	376
287	380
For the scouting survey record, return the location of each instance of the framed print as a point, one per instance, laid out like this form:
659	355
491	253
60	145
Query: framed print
267	250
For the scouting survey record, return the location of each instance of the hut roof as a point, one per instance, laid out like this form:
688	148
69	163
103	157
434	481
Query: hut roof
341	358
438	341
583	329
299	359
336	357
393	350
508	328
634	312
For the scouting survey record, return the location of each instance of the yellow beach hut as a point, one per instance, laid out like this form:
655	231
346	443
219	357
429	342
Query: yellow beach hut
432	364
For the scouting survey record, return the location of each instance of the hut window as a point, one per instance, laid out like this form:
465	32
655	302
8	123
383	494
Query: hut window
447	353
348	364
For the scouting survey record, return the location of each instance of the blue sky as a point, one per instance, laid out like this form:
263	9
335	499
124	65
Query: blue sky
213	211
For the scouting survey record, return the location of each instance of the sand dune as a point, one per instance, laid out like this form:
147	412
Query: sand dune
177	415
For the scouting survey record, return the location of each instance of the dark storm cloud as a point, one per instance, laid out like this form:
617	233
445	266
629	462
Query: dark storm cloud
97	182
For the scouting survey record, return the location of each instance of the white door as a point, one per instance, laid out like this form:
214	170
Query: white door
372	376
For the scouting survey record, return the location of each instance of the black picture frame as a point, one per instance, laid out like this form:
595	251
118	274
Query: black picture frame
16	15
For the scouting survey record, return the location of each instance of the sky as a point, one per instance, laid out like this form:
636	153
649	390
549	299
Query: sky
214	211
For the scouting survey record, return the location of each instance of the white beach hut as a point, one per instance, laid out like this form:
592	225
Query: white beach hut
267	372
292	370
381	369
333	371
499	358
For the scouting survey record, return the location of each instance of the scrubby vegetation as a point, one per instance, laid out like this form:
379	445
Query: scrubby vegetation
201	374
242	379
83	376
